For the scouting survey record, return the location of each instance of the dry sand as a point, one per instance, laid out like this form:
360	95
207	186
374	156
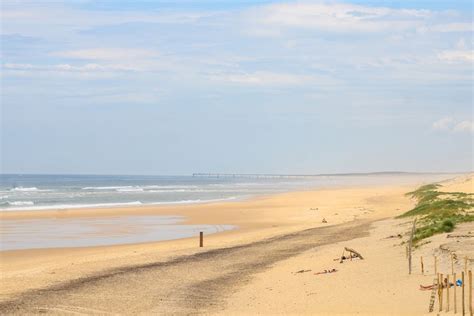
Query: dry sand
265	284
378	285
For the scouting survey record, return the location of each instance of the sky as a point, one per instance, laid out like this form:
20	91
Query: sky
176	87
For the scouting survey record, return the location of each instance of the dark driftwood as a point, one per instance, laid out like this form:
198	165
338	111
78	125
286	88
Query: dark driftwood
459	236
353	251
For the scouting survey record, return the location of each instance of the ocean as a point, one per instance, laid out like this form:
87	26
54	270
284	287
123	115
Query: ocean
40	192
62	192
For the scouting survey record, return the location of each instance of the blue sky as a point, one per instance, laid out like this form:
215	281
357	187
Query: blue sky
175	87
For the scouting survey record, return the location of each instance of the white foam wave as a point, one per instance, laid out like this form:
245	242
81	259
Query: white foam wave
126	188
194	201
28	189
170	187
135	189
69	206
196	191
168	191
30	207
22	189
21	203
107	188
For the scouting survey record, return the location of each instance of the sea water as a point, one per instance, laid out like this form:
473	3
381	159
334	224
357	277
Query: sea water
40	192
62	192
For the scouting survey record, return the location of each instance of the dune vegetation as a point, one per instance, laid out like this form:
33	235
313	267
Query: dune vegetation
439	212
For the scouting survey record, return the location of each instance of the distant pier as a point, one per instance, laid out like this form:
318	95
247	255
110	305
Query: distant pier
252	175
272	175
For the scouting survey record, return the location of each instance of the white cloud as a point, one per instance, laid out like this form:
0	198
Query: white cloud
457	56
106	54
54	13
445	123
69	68
261	78
464	126
339	17
453	27
449	124
85	71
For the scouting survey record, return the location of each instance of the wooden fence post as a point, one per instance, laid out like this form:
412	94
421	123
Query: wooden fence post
422	267
410	244
455	302
470	292
452	263
441	293
440	287
447	292
433	296
201	239
462	290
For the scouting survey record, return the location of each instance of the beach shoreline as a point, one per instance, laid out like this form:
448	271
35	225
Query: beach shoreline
37	193
407	180
258	219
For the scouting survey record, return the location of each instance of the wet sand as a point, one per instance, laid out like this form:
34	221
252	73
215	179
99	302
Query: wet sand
190	284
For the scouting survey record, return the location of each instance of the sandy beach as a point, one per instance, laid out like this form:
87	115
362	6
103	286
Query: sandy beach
275	157
250	270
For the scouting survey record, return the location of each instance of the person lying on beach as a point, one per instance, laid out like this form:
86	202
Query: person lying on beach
326	271
428	287
435	286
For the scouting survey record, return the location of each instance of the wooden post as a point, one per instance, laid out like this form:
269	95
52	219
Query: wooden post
422	267
462	294
452	263
435	265
455	302
470	292
440	288
201	239
433	296
441	293
447	293
410	244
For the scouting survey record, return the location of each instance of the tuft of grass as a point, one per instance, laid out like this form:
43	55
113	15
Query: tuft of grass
439	212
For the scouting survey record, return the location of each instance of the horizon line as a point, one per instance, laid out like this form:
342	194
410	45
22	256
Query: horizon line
237	174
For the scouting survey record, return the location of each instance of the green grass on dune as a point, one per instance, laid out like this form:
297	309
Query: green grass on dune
439	212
